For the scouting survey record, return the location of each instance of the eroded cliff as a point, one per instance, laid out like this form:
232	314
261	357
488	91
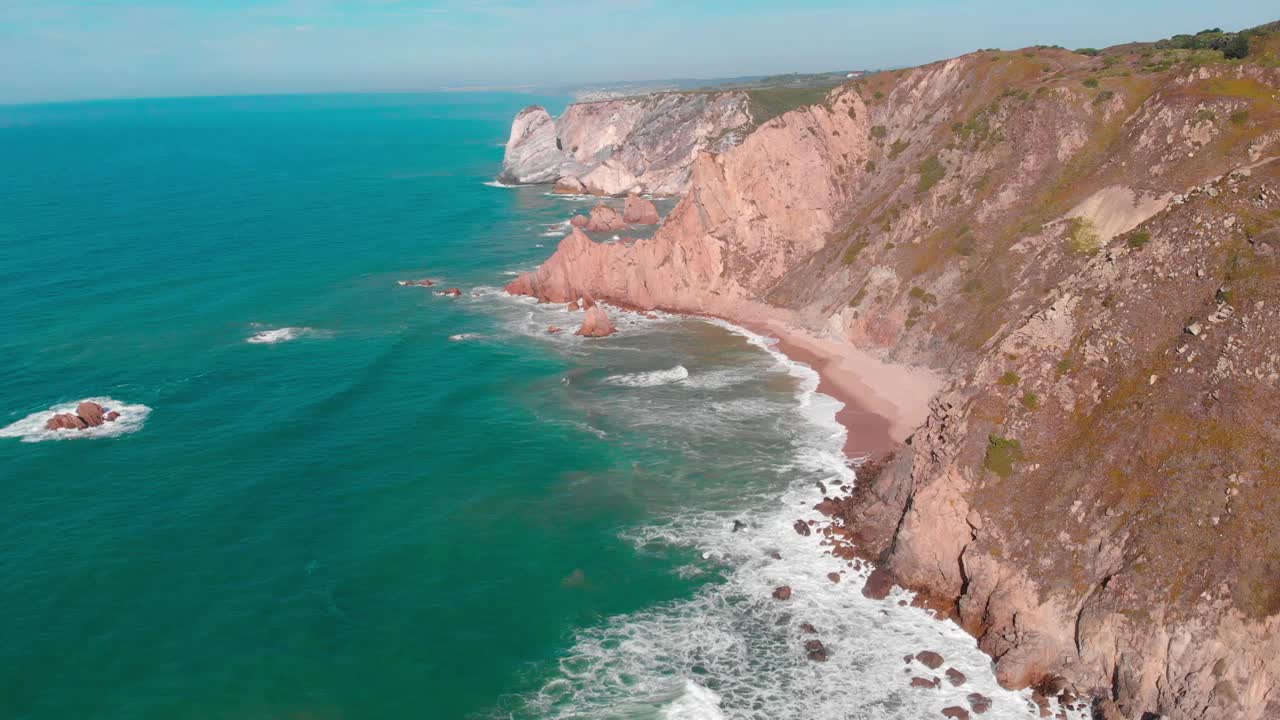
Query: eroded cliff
1087	246
614	147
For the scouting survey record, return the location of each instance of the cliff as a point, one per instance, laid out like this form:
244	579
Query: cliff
614	147
1086	245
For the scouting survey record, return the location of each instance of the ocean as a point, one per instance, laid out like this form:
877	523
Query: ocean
333	496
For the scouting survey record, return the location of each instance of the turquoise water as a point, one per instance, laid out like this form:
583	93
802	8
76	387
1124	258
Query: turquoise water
335	497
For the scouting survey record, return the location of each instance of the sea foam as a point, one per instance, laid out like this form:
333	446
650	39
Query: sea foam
652	378
285	334
31	428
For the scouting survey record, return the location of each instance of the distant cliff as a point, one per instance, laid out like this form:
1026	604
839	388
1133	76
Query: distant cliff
1088	245
613	147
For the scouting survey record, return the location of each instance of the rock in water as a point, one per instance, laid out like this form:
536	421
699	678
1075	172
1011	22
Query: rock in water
533	154
554	330
604	219
801	527
930	659
878	584
578	221
979	703
638	211
955	712
816	651
65	421
782	593
452	292
955	677
924	683
595	322
91	412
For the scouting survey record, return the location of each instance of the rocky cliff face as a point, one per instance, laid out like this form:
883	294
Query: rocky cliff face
1088	247
614	147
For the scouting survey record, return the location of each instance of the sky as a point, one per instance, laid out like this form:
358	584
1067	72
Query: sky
54	50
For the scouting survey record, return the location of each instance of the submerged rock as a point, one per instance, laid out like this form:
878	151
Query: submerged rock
978	702
815	650
782	593
452	292
929	659
801	528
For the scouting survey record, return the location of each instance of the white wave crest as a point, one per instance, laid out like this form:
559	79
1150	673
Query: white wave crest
31	428
463	337
496	184
285	334
696	703
652	378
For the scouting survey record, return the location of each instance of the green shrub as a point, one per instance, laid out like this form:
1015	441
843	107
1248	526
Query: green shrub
851	252
1239	117
1090	82
1091	52
897	148
1002	453
1009	378
1082	236
1030	401
870	167
931	172
916	293
879	132
1205	116
1065	366
1138	239
1103	96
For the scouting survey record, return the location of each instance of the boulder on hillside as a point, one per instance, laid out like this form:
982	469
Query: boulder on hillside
596	322
638	211
605	219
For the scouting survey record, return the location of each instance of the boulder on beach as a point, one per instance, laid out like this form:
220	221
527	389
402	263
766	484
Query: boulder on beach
638	211
596	322
782	593
605	219
88	414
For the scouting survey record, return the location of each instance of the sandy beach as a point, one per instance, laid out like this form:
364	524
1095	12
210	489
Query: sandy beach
883	402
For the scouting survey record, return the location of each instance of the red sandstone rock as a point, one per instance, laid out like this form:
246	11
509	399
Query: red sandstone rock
579	221
801	528
816	651
930	659
112	416
833	577
573	306
955	677
979	703
553	330
65	421
782	593
808	628
91	412
638	211
955	713
923	684
452	292
596	322
878	584
605	219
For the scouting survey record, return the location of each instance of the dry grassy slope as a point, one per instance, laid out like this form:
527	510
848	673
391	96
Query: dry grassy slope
1097	494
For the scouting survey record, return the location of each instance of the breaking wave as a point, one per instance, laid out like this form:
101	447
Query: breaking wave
649	379
285	334
31	428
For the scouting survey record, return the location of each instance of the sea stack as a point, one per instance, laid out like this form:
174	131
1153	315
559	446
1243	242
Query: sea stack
595	322
638	211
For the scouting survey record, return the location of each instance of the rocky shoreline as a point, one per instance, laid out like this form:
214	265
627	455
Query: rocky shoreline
1081	250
